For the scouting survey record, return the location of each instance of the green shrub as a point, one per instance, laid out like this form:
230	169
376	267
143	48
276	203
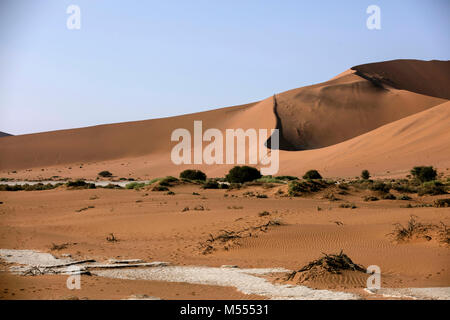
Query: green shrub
135	185
242	174
286	178
193	175
431	188
210	184
370	198
424	174
167	181
405	186
381	186
388	196
80	184
160	188
105	174
296	188
111	186
365	174
29	187
404	197
442	203
312	174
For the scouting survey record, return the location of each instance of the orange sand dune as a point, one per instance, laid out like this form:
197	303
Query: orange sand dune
340	115
349	105
431	78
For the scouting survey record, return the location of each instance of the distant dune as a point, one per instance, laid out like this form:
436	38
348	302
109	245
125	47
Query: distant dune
4	134
380	116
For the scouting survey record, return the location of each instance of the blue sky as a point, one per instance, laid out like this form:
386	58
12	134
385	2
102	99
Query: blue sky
135	60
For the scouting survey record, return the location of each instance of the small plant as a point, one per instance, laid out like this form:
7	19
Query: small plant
296	188
242	174
431	188
185	209
312	174
235	207
412	229
168	181
330	196
111	238
442	203
210	184
381	187
171	193
365	174
80	184
261	196
264	213
370	198
348	205
388	196
193	175
135	185
195	193
404	197
105	174
160	188
424	174
57	247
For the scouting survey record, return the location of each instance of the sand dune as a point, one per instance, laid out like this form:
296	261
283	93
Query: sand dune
338	118
337	110
4	134
425	77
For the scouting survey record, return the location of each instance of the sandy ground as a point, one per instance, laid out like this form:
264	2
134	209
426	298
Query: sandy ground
49	287
152	226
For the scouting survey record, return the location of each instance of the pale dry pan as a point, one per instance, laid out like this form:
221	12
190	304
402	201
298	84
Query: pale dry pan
247	281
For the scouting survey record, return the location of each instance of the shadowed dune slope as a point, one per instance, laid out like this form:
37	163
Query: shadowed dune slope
4	134
420	139
431	78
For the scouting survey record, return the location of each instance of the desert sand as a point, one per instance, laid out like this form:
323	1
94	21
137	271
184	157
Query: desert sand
385	117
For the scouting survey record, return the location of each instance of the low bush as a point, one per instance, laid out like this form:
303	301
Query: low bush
424	173
80	184
135	185
168	181
105	174
160	188
312	174
243	174
365	174
211	184
381	187
370	198
193	175
296	188
29	187
442	203
431	188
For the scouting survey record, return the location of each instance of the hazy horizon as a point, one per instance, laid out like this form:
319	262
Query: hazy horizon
139	61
